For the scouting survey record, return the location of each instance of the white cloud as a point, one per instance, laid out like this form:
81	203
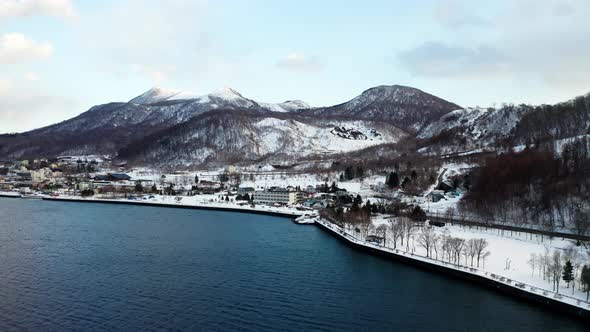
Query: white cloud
31	77
536	50
157	74
20	8
23	108
17	48
455	14
300	62
436	59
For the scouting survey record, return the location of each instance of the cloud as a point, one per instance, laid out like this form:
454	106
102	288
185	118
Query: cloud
17	48
300	62
147	31
31	77
23	108
21	8
436	59
454	14
157	74
563	9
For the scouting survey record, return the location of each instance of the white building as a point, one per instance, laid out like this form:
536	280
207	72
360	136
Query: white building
283	197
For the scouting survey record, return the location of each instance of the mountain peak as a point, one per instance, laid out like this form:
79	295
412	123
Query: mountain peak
227	93
159	94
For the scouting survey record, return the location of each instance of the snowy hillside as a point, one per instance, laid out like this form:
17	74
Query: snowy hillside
471	128
288	106
228	136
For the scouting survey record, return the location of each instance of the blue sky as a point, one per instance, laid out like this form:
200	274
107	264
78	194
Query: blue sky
60	57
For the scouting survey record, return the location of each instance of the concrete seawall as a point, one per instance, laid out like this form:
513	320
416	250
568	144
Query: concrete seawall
515	292
177	206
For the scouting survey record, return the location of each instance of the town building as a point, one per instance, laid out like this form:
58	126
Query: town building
278	196
245	190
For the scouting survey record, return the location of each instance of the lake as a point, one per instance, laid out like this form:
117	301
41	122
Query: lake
76	266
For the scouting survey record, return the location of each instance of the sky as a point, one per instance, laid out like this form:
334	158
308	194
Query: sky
58	58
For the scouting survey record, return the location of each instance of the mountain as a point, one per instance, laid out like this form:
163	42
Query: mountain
506	127
174	126
405	107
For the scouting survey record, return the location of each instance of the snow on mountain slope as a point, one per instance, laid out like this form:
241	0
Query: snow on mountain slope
298	138
216	99
288	106
476	123
157	94
235	137
471	129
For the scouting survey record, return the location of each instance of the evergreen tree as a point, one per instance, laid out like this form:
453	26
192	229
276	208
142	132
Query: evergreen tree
341	177
348	173
355	206
406	182
196	178
414	175
360	172
223	177
418	214
368	207
226	198
393	180
333	188
138	187
467	182
568	273
358	200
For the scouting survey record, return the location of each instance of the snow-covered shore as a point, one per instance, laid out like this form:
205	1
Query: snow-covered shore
498	278
190	202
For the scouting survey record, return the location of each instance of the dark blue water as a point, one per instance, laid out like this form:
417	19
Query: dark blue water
71	266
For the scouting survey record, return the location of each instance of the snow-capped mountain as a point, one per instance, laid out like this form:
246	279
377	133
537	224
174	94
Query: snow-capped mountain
256	129
407	108
169	126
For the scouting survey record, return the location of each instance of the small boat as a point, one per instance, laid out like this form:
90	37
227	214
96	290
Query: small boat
305	220
34	196
10	194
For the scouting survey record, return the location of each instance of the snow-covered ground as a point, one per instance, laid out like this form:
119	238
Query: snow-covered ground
211	201
506	263
510	252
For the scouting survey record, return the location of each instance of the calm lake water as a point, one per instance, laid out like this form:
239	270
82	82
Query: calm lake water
73	266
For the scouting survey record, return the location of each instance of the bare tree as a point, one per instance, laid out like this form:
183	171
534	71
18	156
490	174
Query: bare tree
481	246
396	232
532	261
382	230
469	250
426	239
457	248
556	266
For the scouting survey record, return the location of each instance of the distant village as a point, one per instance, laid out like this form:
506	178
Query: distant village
97	176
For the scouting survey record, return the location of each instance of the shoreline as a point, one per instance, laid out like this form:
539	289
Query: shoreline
284	214
482	278
486	279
